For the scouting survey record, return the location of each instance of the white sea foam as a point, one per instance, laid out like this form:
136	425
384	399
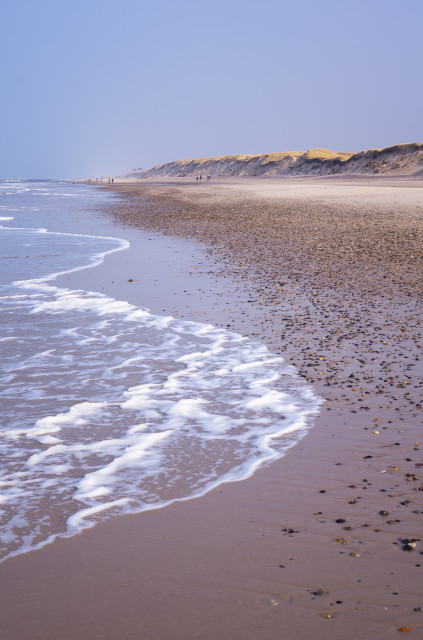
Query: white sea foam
114	410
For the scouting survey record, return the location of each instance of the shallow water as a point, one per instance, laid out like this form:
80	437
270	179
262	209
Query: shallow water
107	408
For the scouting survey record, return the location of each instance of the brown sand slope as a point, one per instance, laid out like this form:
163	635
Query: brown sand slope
329	271
401	159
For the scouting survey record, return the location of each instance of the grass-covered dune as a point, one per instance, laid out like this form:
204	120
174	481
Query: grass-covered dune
401	159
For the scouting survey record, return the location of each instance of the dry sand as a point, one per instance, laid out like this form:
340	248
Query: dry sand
328	272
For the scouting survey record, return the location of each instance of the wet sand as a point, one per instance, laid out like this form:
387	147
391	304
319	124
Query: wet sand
324	543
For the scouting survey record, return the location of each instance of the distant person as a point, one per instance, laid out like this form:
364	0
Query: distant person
201	176
196	177
113	180
208	178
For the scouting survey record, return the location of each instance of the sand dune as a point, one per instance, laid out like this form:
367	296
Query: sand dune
401	159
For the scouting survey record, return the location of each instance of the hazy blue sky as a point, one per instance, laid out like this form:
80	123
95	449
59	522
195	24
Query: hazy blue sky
96	87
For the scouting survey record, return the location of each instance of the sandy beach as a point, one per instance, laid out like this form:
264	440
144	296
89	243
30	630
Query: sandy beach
325	543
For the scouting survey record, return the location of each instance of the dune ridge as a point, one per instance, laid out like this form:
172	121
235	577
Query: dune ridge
399	160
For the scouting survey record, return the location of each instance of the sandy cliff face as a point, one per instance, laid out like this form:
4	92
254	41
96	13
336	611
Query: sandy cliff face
401	159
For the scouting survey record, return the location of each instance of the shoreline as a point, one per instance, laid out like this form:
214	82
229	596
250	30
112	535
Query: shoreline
249	558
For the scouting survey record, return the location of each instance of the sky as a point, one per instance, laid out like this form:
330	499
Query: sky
96	88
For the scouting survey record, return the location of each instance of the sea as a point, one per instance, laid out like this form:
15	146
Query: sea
108	409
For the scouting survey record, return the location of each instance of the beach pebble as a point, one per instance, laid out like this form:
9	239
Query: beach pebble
409	546
411	477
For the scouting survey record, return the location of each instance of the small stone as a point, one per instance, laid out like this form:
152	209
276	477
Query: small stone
411	477
384	513
326	615
340	520
273	602
320	592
